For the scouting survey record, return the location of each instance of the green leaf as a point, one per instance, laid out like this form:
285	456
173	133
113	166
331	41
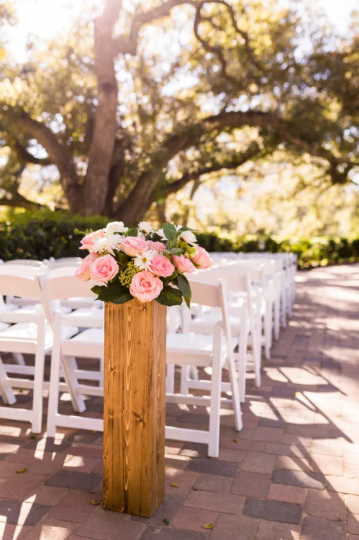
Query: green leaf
169	231
115	293
170	296
132	232
185	288
170	278
173	251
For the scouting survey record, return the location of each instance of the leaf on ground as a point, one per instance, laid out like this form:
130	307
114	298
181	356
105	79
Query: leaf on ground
166	521
32	436
235	440
21	390
208	526
96	502
173	484
91	491
22	470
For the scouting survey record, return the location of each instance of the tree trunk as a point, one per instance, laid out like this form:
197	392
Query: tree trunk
161	211
102	145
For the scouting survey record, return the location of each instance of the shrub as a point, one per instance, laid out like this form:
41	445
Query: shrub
47	234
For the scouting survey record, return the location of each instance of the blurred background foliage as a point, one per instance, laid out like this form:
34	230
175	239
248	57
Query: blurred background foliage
43	234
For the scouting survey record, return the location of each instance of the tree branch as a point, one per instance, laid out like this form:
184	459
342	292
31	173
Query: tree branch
128	44
231	163
22	152
59	154
27	157
21	202
189	136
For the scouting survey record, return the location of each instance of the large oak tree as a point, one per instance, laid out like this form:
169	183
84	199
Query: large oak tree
135	104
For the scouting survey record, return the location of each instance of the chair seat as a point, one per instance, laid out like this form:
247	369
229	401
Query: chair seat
86	317
80	303
89	343
22	337
191	348
204	322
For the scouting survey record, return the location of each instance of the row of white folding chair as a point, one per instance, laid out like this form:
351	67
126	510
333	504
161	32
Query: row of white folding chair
286	272
73	303
244	322
182	349
87	312
88	344
85	317
27	334
264	283
264	274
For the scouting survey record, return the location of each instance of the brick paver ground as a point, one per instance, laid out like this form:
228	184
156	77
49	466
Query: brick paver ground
291	474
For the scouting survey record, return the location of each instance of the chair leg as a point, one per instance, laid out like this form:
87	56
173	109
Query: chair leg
38	390
170	379
102	373
215	412
69	366
54	392
234	380
5	387
284	309
18	358
268	331
242	363
185	371
276	318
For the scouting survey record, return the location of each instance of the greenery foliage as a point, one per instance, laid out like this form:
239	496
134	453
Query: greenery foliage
44	234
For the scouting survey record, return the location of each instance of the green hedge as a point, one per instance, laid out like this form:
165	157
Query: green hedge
47	234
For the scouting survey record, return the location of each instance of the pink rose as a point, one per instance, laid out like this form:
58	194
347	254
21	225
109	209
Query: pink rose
161	266
202	259
145	286
183	264
83	272
103	269
133	245
158	246
88	241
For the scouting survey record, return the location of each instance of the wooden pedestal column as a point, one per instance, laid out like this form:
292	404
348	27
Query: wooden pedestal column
134	411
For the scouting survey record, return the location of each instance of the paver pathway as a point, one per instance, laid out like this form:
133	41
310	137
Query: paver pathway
291	474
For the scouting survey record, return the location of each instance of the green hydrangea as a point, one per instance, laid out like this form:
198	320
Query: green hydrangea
126	276
188	251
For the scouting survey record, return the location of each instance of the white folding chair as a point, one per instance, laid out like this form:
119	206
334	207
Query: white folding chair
64	261
244	325
29	335
263	276
213	351
86	344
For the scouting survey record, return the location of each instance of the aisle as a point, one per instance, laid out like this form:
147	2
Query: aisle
291	474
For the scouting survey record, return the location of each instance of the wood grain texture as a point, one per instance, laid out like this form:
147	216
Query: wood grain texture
134	409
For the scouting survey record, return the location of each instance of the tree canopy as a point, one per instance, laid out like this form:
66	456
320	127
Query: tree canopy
134	104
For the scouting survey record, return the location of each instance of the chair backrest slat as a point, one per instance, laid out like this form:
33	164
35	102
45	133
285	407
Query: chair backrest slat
61	284
205	294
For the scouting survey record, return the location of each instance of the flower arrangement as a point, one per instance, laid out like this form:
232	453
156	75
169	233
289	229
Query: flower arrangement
142	263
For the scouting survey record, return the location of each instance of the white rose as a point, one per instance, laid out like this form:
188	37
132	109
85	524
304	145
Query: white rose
110	243
116	227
